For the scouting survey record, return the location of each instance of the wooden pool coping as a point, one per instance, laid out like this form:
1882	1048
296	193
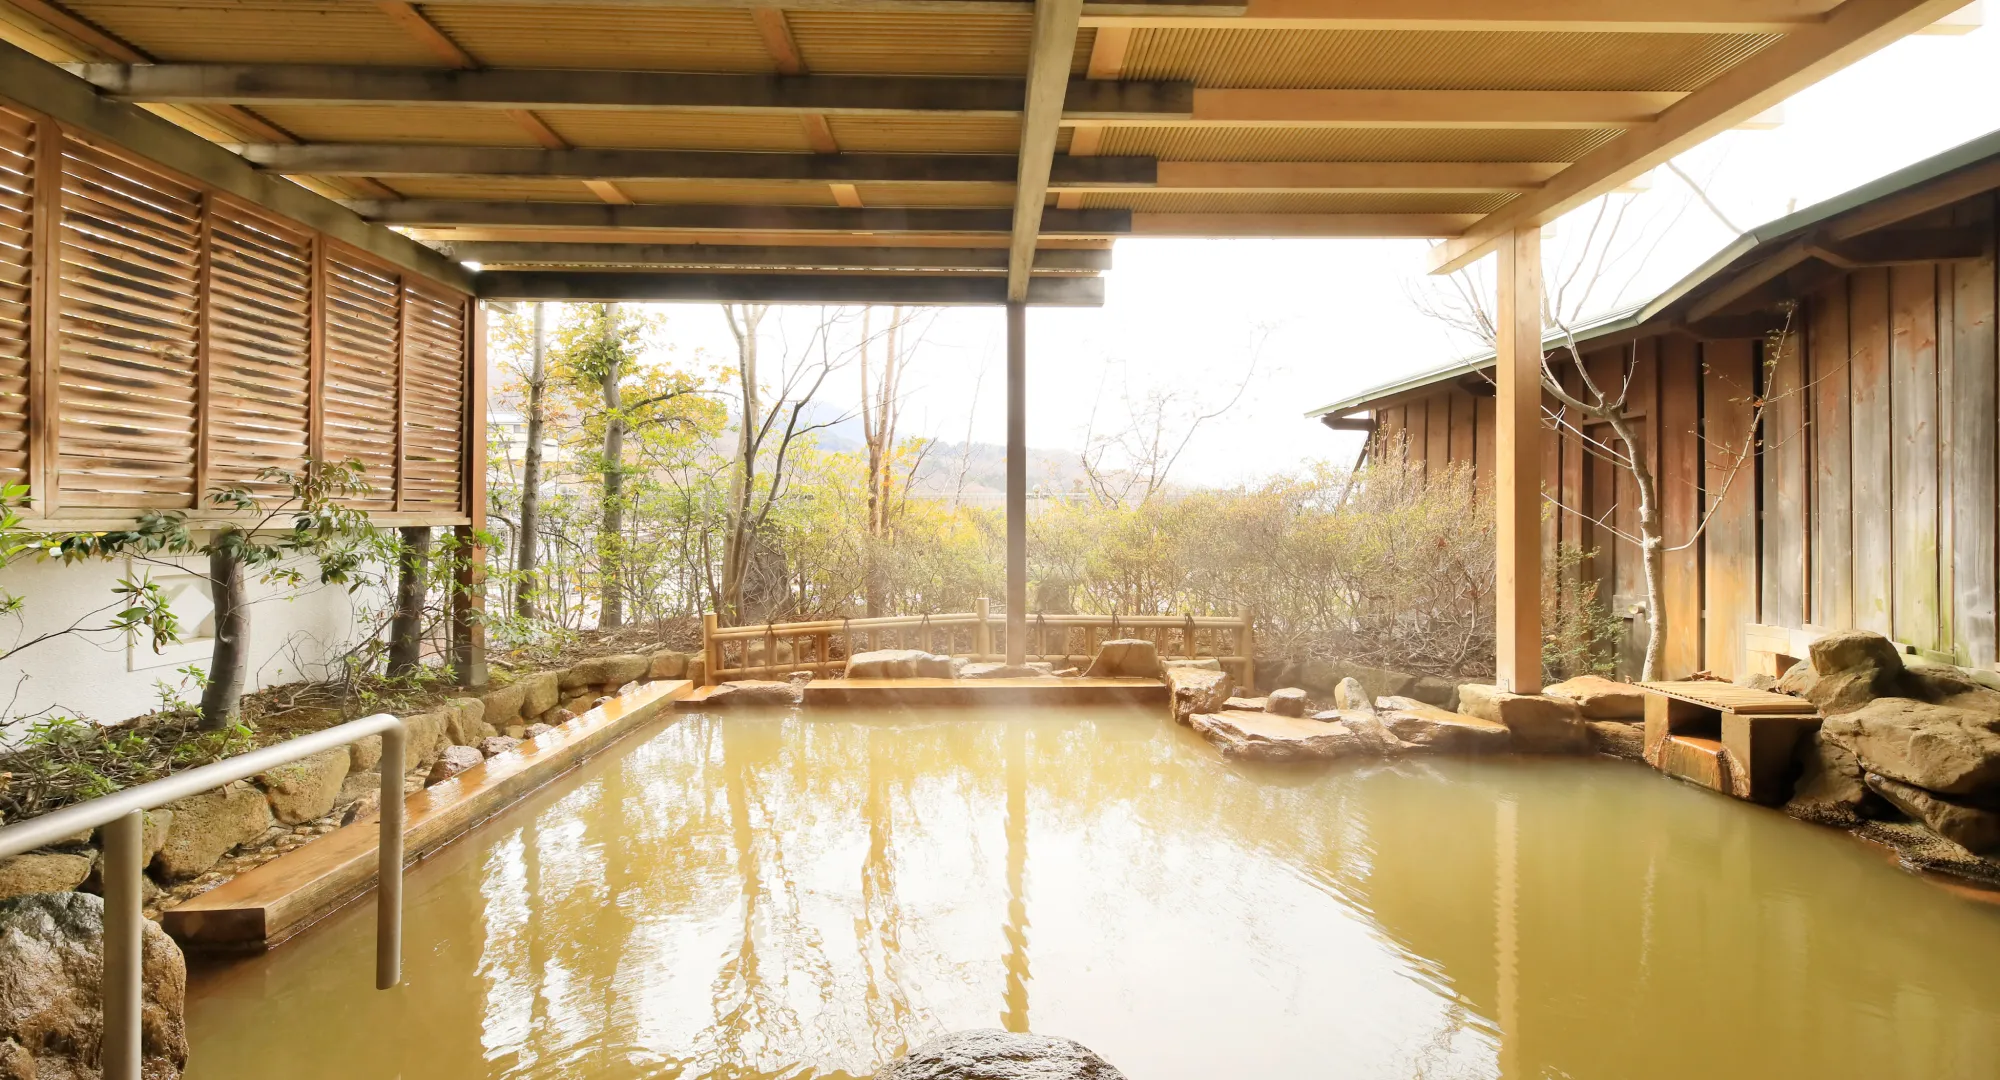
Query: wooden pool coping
267	905
1029	691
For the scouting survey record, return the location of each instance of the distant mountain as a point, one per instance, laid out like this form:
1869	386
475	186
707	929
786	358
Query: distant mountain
984	468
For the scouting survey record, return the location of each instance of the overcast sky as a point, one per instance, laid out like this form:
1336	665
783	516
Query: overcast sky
1325	318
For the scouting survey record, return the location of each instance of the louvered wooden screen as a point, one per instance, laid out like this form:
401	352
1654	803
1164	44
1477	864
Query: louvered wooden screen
433	397
359	407
130	252
259	348
171	335
17	221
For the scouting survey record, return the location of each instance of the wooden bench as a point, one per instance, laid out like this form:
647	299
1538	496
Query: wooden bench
1726	737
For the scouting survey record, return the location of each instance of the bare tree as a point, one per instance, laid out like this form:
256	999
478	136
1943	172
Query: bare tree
1139	452
772	431
531	468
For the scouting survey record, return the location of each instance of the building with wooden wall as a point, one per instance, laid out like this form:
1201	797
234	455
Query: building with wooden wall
1865	326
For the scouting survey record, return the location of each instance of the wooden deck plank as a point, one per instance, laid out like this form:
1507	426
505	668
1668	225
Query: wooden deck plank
271	903
1740	699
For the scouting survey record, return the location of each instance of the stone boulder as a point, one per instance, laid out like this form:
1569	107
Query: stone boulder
899	664
1618	738
1940	748
1830	789
42	872
1125	658
1205	663
1350	694
51	1007
536	731
361	794
1001	671
1418	725
1852	668
1260	736
454	760
465	721
1798	680
1371	736
501	707
1599	698
1974	828
990	1054
426	737
751	692
364	753
615	670
206	826
539	693
497	744
305	789
1192	689
667	664
1539	724
1246	704
1288	701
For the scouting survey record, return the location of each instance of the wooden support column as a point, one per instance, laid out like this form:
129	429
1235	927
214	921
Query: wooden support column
1517	490
1017	482
468	594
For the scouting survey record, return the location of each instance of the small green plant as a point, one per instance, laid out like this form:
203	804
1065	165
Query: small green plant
1579	630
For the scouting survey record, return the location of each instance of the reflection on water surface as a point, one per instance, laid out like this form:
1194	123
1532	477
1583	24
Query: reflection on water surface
784	897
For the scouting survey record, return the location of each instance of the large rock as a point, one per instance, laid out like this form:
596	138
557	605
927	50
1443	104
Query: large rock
1599	698
1798	680
206	826
1830	789
667	664
1421	725
899	664
1192	689
1973	828
990	1054
1852	668
1263	737
306	788
1204	663
1618	738
1936	747
51	1007
42	872
465	721
454	760
501	707
360	795
539	693
616	670
427	737
1287	701
1539	724
751	692
1350	694
1125	658
364	753
498	744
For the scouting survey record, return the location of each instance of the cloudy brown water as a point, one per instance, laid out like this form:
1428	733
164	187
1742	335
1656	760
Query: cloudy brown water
786	897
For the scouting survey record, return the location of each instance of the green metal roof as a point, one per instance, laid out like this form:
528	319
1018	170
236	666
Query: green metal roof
1748	247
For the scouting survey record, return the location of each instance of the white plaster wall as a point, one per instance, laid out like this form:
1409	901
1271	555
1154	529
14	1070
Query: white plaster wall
106	677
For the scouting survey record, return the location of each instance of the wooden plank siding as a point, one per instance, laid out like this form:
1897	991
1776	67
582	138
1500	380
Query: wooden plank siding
161	339
1873	498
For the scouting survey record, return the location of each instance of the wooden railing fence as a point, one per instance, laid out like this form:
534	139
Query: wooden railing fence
774	650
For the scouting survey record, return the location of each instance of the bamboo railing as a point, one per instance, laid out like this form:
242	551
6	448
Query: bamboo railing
774	650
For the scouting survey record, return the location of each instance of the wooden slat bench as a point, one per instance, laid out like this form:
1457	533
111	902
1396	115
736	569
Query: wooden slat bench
1726	737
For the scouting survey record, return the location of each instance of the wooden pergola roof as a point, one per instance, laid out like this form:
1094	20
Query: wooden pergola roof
941	151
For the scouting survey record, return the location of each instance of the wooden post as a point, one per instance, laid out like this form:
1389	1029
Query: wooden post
468	594
1517	477
982	632
711	650
468	610
1017	482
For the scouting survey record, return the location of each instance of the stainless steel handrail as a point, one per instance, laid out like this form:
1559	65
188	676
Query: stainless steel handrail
122	816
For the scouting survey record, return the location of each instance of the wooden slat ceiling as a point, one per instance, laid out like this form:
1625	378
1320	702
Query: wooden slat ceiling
1573	96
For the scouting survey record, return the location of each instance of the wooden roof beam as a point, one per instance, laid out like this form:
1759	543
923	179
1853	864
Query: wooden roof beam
411	159
1074	290
436	212
1562	16
1258	226
1850	32
1208	10
1049	55
1352	176
763	256
550	88
1526	109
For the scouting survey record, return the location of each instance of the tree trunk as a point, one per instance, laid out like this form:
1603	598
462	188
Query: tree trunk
407	627
531	473
229	664
743	479
1652	547
611	529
